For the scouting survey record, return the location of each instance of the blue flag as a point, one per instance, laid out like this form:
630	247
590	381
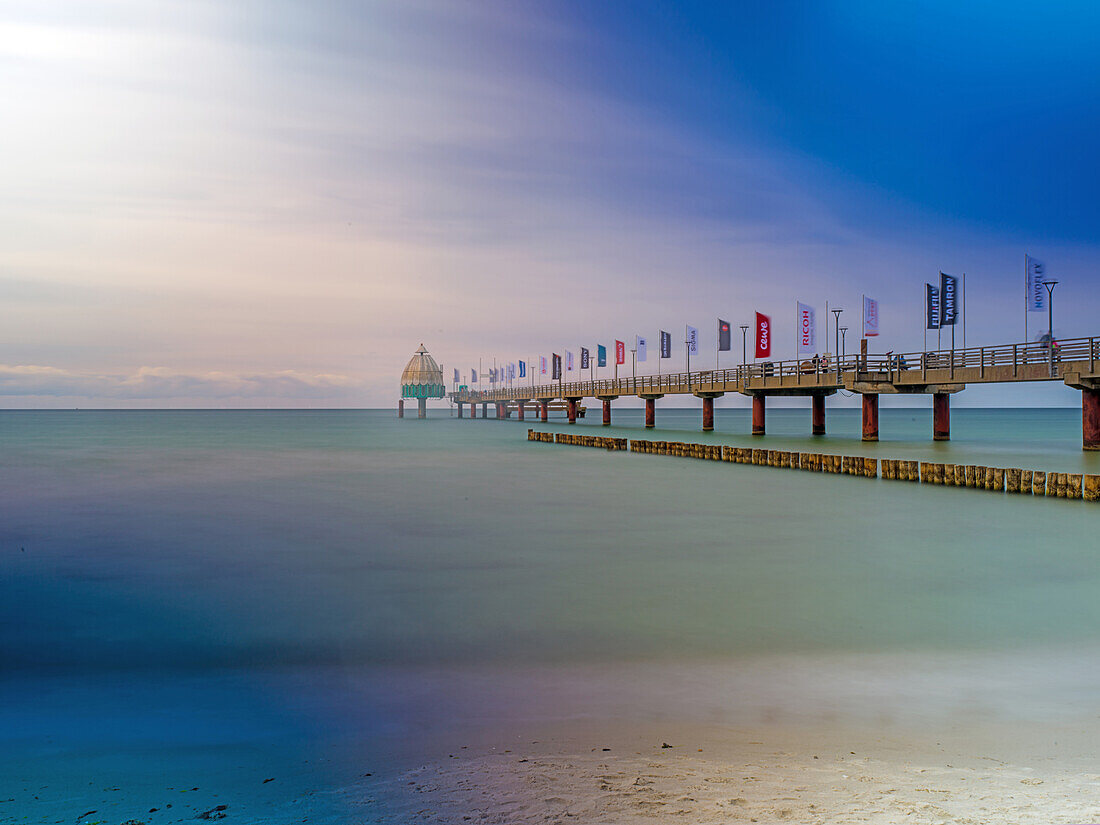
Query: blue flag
522	369
601	355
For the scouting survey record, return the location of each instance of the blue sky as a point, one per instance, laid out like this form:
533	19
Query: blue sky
254	204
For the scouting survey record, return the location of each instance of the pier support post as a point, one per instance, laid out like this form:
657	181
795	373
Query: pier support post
650	413
422	408
818	414
607	412
460	405
758	414
1090	419
708	414
870	416
571	408
544	410
941	416
401	408
484	409
519	410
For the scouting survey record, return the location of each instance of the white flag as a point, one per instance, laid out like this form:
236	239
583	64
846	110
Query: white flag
807	330
691	336
1036	293
870	317
639	344
568	361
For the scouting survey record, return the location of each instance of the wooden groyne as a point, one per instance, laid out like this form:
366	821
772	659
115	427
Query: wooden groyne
996	479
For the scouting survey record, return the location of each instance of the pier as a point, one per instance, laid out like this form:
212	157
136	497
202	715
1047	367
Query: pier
939	374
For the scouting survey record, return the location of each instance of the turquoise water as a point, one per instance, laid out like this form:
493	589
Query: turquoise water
197	593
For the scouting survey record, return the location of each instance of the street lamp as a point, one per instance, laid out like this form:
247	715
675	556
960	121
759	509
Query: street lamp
744	349
1050	320
836	327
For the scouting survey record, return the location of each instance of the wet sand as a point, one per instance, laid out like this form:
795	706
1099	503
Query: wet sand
1033	774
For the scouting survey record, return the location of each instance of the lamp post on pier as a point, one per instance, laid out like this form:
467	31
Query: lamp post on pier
1050	320
843	341
836	328
744	347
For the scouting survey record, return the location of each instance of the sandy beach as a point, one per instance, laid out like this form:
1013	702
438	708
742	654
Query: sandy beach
761	774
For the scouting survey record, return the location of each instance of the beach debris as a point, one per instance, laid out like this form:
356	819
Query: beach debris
665	745
217	812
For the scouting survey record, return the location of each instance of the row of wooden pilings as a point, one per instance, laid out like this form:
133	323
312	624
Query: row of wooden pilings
580	440
997	479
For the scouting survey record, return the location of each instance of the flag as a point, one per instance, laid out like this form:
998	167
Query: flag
601	355
666	344
1036	294
522	369
457	379
585	360
931	307
620	352
556	367
568	361
870	317
763	336
949	300
691	338
640	346
473	376
807	329
511	372
723	335
542	365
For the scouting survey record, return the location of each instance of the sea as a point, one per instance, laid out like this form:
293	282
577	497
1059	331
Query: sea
280	611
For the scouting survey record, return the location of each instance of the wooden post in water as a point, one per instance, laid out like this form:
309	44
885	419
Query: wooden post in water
401	408
1090	419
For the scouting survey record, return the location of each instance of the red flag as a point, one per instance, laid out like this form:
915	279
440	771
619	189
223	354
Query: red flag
620	352
763	336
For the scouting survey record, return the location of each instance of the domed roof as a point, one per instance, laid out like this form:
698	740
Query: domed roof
422	377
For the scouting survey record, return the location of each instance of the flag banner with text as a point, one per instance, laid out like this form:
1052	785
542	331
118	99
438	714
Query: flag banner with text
601	355
723	335
870	317
542	365
457	379
511	372
666	344
807	329
640	346
568	361
522	369
763	336
691	340
949	300
585	362
931	307
1036	294
473	376
620	352
556	365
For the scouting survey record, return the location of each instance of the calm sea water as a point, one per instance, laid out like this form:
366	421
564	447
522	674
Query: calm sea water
202	599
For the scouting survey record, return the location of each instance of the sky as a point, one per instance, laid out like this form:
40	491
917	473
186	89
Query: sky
258	204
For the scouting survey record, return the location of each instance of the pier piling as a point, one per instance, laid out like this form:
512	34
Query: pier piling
870	416
758	414
941	416
818	413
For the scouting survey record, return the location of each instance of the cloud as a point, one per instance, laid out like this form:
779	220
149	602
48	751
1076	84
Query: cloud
158	384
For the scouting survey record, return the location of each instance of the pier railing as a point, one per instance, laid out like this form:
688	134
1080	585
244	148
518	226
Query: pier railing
1005	362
